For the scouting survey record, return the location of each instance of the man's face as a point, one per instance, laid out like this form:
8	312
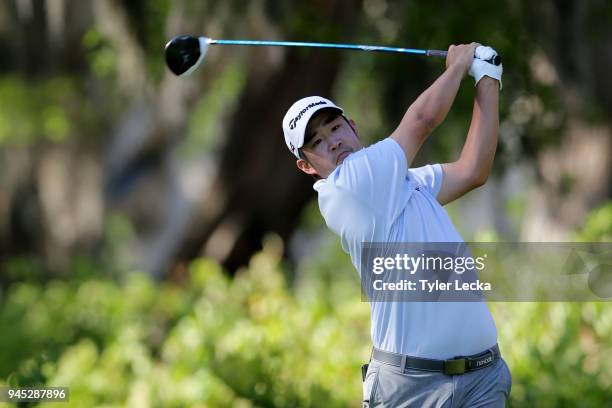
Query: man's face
333	139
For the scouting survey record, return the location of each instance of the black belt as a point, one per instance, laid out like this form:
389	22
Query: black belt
457	365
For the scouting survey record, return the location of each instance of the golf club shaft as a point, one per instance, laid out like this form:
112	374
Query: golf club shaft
435	53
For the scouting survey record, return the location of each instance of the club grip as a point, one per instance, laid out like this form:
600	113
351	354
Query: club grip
439	53
495	60
436	53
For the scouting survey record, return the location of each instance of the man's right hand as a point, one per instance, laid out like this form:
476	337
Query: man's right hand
461	56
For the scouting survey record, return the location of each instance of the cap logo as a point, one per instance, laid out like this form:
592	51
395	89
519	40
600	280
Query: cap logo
292	147
293	122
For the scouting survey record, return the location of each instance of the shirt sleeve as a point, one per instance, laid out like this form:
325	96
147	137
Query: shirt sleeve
430	177
377	177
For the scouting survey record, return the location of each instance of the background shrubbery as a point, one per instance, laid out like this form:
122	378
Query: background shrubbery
256	341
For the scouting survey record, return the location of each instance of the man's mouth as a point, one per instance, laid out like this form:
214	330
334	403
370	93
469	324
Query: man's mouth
343	156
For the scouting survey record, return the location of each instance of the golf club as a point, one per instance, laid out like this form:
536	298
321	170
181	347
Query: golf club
184	54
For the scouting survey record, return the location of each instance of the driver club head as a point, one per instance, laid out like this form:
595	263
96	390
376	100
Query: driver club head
185	53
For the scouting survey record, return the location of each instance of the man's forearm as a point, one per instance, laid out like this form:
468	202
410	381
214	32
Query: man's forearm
479	148
434	104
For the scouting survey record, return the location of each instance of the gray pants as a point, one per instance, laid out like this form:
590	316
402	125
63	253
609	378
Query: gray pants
387	386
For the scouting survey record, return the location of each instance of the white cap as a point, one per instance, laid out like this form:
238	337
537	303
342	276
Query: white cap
297	117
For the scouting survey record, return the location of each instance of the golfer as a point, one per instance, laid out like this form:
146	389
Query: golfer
426	354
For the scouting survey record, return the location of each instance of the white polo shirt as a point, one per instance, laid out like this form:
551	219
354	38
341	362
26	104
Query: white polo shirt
374	197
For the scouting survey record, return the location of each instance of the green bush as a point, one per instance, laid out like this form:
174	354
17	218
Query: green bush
254	341
219	342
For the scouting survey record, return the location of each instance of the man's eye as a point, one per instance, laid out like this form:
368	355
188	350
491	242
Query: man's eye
316	142
336	127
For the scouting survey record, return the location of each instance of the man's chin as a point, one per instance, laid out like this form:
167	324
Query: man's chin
343	157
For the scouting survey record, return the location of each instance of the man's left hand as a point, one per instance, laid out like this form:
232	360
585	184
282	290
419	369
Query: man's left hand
482	67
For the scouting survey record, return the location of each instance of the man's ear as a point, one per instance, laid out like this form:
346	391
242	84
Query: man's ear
305	167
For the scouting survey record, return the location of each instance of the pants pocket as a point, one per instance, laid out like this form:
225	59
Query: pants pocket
507	377
369	386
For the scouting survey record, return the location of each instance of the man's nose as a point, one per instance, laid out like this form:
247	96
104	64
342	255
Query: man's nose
335	143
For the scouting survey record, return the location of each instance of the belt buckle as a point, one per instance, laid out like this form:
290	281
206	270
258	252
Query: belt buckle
455	366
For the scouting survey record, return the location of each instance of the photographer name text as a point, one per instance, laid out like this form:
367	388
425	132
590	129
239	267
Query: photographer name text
430	287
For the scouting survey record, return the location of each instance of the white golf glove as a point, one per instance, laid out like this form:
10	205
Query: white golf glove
481	67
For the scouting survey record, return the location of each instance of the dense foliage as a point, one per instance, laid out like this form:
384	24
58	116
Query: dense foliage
257	340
